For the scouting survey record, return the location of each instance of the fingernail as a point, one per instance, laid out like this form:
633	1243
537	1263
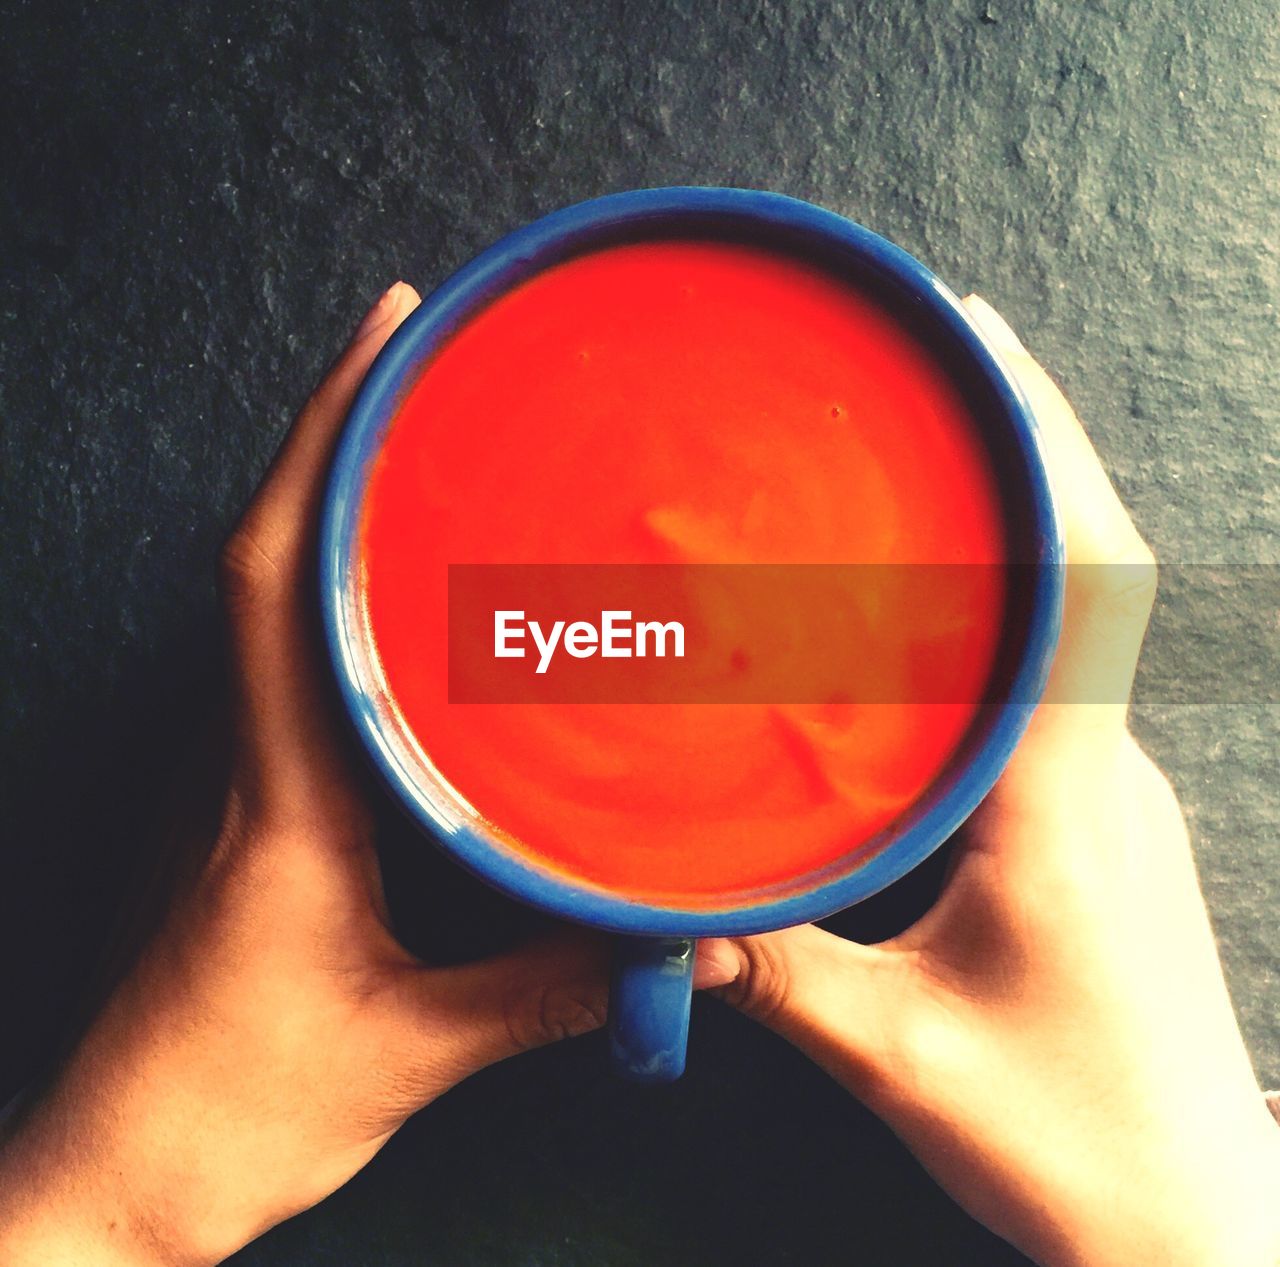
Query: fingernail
717	964
380	311
994	326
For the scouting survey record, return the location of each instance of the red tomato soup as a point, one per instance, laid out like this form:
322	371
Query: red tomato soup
678	401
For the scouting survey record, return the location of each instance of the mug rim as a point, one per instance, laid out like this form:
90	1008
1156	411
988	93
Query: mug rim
529	250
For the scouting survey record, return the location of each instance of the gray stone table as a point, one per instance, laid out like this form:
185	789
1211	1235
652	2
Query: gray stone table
195	202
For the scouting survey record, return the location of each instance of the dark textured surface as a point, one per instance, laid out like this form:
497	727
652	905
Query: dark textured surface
197	200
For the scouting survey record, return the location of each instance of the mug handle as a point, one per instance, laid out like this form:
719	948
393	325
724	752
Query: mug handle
649	996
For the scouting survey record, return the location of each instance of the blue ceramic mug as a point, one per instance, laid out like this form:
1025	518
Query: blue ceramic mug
653	972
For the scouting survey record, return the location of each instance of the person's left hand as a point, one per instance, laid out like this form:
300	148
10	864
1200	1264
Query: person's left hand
274	1034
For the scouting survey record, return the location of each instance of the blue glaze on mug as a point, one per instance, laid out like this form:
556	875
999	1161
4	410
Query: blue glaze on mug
650	1005
649	996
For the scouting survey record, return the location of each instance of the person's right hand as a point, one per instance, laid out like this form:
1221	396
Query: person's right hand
1054	1039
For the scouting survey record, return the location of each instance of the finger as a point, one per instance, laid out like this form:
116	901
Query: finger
462	1019
277	520
458	1020
265	567
833	999
1111	577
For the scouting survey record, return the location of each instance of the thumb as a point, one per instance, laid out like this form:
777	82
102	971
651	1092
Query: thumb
483	1012
833	999
467	1017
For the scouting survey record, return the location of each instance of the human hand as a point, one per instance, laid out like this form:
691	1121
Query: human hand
1054	1039
274	1034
